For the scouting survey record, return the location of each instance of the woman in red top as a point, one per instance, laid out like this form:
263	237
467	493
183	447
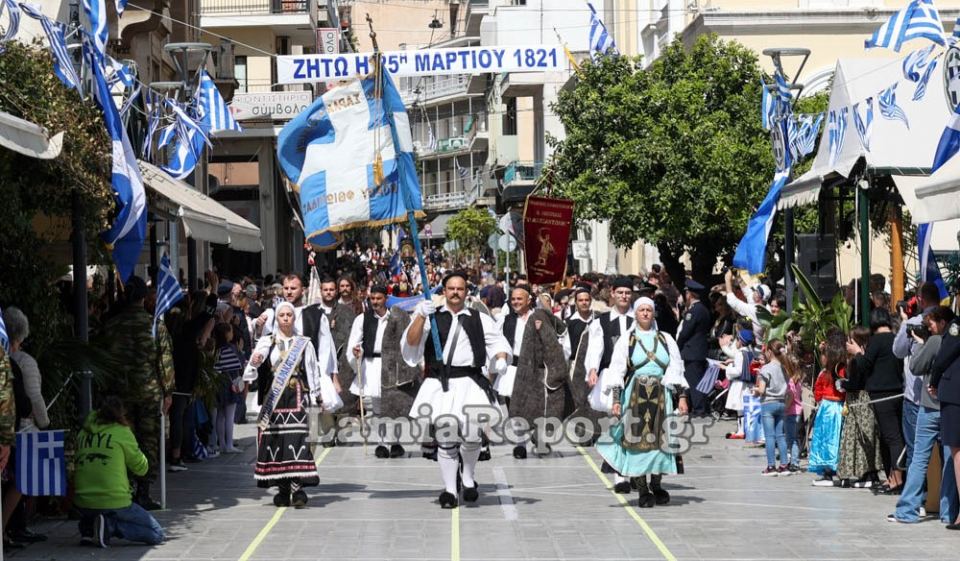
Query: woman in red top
829	394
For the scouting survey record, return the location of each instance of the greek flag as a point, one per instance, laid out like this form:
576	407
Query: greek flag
62	61
956	31
350	154
922	84
126	234
13	25
96	11
121	6
188	146
150	103
864	124
4	338
768	107
837	123
168	291
41	467
601	42
915	62
929	269
214	115
751	253
949	143
919	20
783	88
803	134
888	105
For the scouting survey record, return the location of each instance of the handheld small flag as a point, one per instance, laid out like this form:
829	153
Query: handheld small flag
168	291
41	469
918	20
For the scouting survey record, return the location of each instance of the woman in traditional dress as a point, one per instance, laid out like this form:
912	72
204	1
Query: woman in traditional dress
289	382
642	443
860	451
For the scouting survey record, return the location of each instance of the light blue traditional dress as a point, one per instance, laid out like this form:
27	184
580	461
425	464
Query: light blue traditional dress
643	441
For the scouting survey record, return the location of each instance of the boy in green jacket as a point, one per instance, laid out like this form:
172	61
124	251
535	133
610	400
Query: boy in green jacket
106	450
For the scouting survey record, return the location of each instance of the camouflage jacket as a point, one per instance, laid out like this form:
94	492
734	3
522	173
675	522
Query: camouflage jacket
8	413
131	343
164	368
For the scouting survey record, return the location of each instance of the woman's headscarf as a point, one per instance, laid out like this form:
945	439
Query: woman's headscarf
646	301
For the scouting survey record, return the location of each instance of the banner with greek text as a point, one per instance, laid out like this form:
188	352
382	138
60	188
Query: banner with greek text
302	69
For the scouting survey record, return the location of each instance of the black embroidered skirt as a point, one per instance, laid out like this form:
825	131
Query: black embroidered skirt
283	452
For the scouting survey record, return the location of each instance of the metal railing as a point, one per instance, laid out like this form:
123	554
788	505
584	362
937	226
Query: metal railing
438	86
522	171
254	7
463	194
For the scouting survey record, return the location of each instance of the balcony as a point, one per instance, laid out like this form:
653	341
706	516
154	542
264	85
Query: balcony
460	192
295	18
438	89
519	180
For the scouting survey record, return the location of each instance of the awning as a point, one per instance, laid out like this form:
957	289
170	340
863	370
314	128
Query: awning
801	191
203	218
438	227
29	139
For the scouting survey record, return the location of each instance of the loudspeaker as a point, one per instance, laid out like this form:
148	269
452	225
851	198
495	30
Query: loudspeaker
817	259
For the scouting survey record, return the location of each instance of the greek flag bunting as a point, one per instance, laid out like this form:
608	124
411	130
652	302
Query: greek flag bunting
55	31
41	469
751	253
125	236
214	115
918	20
956	31
803	134
4	338
189	140
929	269
783	88
915	62
96	11
864	123
888	105
601	42
13	21
168	291
924	80
350	155
837	123
768	107
949	143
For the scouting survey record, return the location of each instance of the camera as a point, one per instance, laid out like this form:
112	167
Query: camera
921	331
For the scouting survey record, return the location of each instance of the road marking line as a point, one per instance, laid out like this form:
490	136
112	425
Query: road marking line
503	491
633	513
455	534
252	548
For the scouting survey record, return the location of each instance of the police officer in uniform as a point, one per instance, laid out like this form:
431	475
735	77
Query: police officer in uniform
945	386
692	339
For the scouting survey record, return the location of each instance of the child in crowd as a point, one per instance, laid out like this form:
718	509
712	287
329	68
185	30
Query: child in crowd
791	423
829	394
740	355
229	367
771	388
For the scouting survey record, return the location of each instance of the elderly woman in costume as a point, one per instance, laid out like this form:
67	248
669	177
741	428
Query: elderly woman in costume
645	371
289	382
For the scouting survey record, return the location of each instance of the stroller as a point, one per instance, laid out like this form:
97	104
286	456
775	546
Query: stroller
715	385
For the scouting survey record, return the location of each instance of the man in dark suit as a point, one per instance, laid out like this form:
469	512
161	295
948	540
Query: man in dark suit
692	340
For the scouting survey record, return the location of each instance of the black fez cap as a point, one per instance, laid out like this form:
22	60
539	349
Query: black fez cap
378	288
622	282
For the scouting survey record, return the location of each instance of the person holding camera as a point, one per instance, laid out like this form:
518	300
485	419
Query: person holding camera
928	341
904	346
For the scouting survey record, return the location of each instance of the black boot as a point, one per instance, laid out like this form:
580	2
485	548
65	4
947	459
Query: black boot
622	488
520	452
397	451
381	452
471	494
662	496
647	499
448	500
299	499
282	498
143	496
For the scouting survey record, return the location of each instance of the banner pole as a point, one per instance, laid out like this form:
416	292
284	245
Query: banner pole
407	200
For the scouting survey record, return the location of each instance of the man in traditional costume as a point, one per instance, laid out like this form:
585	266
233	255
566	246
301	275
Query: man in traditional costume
289	382
455	393
384	382
341	317
605	331
576	342
645	373
536	383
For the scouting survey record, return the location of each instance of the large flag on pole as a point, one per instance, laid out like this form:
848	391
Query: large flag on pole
918	20
350	157
601	41
126	234
929	269
752	252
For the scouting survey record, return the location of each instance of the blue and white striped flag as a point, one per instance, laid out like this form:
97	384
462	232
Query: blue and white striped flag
783	88
837	130
768	107
168	291
915	62
919	20
956	32
41	466
55	31
804	132
929	268
4	338
888	105
601	42
751	253
922	84
214	115
121	6
351	155
864	124
13	21
184	155
949	143
96	11
126	234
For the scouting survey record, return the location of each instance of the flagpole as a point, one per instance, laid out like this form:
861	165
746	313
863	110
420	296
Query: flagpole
409	203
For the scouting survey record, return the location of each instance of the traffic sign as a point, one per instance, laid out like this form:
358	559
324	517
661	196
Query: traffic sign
492	241
428	230
507	243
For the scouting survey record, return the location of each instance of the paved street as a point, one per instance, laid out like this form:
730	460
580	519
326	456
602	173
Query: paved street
556	507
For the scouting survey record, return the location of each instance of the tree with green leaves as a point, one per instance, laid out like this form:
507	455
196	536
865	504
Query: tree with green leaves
470	228
673	154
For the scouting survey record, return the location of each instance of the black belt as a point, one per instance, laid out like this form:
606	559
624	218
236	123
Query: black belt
445	373
516	361
374	355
